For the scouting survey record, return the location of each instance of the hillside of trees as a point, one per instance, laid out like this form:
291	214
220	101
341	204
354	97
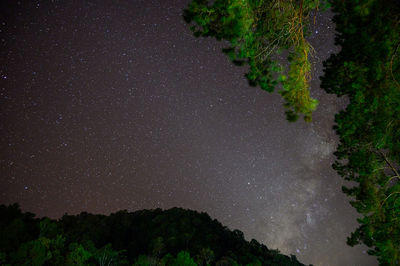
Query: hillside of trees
147	237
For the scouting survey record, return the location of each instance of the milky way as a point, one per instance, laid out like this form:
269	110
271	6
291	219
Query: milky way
109	105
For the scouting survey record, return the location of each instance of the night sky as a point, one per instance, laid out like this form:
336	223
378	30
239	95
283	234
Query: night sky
110	105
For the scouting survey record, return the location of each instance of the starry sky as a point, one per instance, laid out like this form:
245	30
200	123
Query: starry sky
110	105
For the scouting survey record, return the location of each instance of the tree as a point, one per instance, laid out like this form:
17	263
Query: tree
124	238
16	227
158	246
366	70
258	30
78	255
205	257
39	252
183	259
107	256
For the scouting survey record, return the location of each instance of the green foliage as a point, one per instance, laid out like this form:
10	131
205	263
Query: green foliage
171	237
205	257
295	88
183	259
258	30
48	228
78	255
167	260
366	70
40	251
108	256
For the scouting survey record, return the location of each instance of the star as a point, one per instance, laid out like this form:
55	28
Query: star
123	108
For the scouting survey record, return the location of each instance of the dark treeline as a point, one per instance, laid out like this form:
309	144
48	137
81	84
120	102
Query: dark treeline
147	237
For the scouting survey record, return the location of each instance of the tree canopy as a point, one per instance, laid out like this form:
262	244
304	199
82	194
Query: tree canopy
259	30
173	237
366	70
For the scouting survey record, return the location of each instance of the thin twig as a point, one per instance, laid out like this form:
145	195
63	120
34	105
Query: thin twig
397	192
390	165
391	65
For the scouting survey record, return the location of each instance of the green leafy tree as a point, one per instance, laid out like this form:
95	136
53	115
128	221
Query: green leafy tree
39	252
258	30
205	257
75	240
183	259
366	70
78	255
167	259
108	256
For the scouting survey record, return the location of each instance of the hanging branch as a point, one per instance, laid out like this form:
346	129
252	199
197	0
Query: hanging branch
390	165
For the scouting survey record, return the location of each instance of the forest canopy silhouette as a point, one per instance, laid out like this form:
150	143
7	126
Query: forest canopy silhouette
148	237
